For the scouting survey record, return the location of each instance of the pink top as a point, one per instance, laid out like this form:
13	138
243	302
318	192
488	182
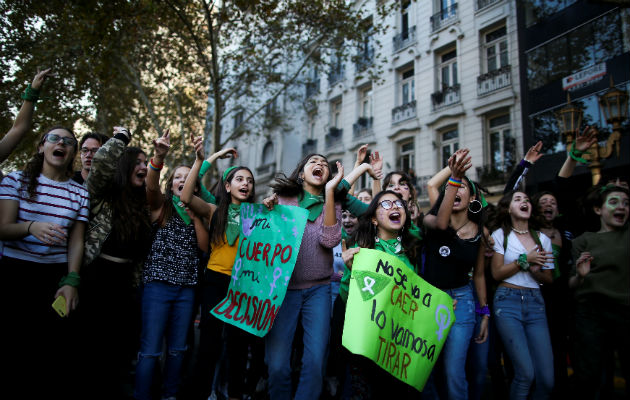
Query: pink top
314	264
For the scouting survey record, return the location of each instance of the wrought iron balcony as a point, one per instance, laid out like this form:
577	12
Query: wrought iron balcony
334	137
362	127
365	59
448	96
310	146
404	112
443	18
405	39
336	74
494	80
266	169
490	175
312	88
481	4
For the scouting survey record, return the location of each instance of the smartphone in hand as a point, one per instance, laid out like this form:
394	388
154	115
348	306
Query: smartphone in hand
60	306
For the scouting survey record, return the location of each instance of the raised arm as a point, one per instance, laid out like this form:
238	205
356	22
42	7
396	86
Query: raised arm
361	153
433	185
161	146
197	205
105	162
579	147
330	215
24	119
458	164
376	161
533	155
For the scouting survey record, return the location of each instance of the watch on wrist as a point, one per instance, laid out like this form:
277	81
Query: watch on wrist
522	262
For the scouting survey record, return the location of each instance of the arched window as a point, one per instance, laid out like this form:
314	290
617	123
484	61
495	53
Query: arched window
267	156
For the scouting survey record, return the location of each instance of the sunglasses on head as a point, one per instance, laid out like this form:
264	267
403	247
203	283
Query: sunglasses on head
67	141
388	204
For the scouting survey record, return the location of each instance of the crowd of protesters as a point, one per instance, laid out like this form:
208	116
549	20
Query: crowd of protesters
540	281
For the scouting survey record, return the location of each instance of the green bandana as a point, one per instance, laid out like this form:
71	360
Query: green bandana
181	209
314	204
389	247
233	223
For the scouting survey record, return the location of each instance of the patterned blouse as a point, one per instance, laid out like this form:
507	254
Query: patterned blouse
174	256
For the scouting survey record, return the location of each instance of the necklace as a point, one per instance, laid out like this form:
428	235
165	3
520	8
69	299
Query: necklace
520	232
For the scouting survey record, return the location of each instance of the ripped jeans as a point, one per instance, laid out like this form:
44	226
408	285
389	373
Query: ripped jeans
167	310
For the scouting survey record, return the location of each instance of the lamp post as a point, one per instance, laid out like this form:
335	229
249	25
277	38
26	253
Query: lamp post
614	105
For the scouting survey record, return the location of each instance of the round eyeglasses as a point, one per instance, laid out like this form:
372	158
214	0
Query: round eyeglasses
54	138
85	151
388	204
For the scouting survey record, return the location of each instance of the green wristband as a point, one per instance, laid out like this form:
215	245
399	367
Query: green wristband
576	154
30	94
72	279
522	262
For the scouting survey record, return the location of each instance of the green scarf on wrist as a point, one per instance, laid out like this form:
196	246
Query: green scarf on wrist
232	229
181	210
314	204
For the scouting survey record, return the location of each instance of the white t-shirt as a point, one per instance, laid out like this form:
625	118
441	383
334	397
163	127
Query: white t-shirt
516	248
62	203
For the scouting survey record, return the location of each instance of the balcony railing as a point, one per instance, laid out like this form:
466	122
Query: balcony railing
362	128
494	80
490	175
443	18
481	4
336	74
266	169
404	112
448	96
310	146
364	60
334	137
312	88
405	39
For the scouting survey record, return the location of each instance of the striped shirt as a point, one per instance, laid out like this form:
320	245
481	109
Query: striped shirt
61	203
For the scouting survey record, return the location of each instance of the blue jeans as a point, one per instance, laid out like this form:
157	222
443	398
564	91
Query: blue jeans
313	304
477	363
166	310
456	347
522	325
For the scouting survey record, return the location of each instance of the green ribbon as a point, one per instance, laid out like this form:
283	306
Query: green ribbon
232	228
389	246
30	94
73	279
314	204
479	194
181	210
575	154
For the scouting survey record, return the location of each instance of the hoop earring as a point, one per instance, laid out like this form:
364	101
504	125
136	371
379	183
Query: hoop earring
476	208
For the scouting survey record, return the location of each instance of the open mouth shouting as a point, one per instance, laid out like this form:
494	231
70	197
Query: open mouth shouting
395	217
620	217
244	191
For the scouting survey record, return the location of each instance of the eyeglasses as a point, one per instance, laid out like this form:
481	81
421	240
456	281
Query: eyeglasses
388	204
85	150
67	141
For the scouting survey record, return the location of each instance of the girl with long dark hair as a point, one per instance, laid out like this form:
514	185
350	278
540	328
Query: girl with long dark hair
385	227
223	221
454	246
43	214
307	300
116	243
522	262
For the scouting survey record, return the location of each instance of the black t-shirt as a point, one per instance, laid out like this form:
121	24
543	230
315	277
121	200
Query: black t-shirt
449	259
78	178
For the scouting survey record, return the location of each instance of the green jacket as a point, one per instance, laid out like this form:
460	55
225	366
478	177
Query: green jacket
98	182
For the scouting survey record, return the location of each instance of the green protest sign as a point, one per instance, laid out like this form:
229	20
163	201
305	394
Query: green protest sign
268	246
395	318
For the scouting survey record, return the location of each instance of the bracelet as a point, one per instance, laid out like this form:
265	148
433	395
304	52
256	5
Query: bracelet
454	182
30	94
28	230
525	163
577	154
155	167
522	262
485	310
72	279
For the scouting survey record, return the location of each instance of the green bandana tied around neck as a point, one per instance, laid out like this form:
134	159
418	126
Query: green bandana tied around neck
181	210
314	204
233	223
389	246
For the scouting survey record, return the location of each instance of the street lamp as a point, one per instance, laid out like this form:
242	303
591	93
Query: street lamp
614	105
569	121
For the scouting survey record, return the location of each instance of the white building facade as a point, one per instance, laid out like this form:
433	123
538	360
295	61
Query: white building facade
450	80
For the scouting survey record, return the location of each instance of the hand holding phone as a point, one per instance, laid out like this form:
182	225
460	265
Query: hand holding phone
60	306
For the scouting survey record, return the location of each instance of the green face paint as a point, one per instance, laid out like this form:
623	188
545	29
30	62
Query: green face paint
614	201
